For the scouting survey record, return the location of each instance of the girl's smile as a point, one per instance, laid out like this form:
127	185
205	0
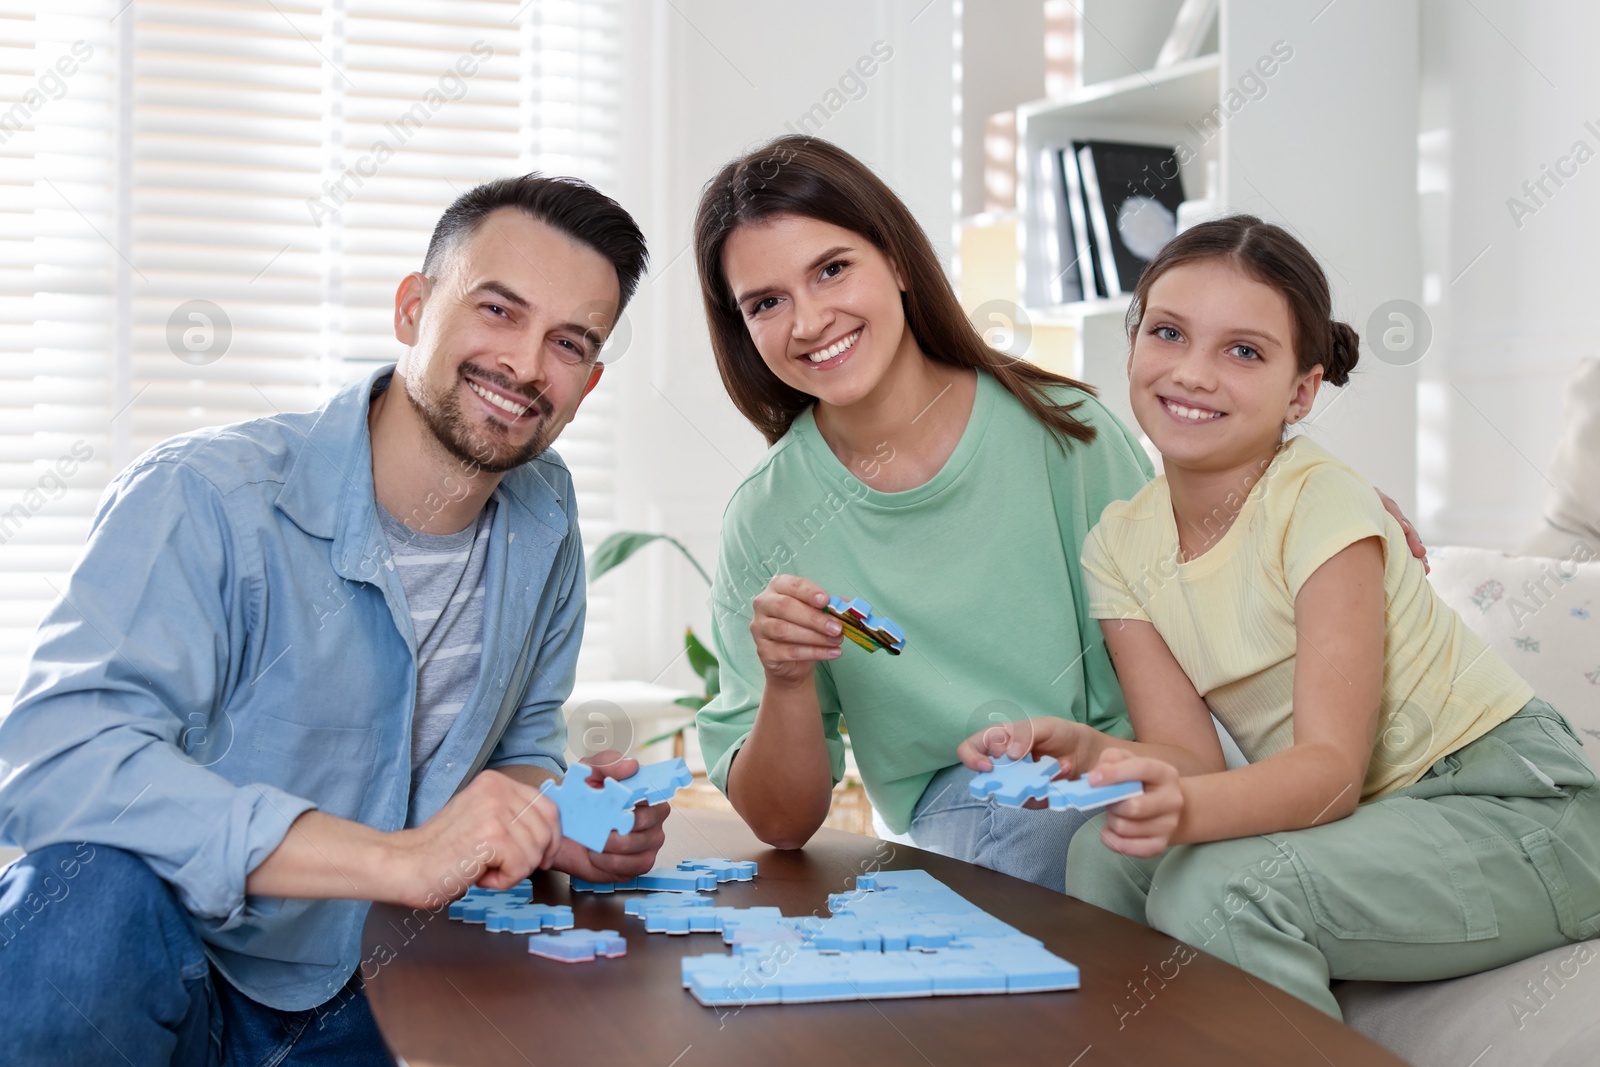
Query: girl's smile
1189	412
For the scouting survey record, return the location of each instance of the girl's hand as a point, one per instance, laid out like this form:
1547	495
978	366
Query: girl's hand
1140	826
1073	743
791	630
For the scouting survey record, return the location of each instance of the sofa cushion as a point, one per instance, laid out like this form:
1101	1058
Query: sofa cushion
1572	477
1536	1013
1541	615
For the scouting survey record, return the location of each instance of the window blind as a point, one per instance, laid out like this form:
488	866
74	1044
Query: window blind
206	220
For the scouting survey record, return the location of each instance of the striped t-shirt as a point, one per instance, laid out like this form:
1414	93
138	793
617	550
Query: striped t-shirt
443	578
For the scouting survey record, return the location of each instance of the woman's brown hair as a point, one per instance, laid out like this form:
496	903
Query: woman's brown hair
1276	258
805	176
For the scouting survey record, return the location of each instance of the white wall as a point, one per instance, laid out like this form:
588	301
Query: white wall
719	77
1507	86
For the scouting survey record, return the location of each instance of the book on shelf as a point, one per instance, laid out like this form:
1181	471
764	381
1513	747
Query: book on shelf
1085	253
1189	29
1131	194
1063	279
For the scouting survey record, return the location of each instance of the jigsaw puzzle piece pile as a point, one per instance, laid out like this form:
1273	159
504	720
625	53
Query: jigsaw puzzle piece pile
588	815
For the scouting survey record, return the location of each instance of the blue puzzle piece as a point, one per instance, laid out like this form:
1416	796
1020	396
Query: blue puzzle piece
640	906
688	876
654	783
580	886
891	974
477	896
761	941
588	815
1079	794
578	946
1013	782
472	907
685	920
725	870
670	879
523	917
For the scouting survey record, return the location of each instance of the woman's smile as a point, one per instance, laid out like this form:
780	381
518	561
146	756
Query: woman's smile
834	353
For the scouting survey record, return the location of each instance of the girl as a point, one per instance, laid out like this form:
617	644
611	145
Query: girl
1411	810
913	466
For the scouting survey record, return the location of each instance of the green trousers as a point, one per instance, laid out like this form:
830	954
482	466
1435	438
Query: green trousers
1492	857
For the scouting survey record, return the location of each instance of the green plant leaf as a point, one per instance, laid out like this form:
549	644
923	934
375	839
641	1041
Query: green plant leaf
616	550
713	680
701	658
620	547
692	703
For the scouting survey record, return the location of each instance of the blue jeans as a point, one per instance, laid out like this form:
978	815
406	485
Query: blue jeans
1025	843
100	964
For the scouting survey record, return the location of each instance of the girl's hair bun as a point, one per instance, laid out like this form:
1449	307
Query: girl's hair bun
1343	352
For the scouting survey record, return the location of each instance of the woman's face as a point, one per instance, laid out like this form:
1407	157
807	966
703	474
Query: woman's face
822	305
1213	373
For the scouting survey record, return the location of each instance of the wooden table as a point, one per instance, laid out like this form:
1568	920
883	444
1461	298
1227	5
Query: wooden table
448	993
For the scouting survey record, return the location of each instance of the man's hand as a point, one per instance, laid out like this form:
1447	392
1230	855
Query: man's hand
626	855
495	832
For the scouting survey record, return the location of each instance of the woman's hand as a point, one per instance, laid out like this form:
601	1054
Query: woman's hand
792	631
1140	826
1077	746
1413	539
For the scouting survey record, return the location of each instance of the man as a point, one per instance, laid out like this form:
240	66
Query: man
312	661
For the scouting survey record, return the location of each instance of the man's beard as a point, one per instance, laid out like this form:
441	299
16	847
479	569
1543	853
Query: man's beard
469	440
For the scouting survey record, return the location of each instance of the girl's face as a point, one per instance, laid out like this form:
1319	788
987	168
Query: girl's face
1213	373
822	305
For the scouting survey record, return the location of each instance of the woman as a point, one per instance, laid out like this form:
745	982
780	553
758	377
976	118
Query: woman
912	466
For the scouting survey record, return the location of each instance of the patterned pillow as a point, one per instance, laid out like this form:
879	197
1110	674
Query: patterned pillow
1541	615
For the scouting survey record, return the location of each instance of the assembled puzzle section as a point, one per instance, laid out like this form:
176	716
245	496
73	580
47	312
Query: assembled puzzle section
510	910
900	934
1014	782
687	877
866	629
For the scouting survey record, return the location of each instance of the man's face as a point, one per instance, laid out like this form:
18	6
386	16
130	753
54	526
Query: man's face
503	343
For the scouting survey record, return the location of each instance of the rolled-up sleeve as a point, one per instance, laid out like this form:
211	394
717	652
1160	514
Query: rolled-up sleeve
142	643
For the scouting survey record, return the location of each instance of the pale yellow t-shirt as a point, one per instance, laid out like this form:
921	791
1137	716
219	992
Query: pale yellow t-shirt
1228	616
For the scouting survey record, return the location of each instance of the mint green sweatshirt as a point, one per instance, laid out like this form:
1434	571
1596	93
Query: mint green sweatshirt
979	565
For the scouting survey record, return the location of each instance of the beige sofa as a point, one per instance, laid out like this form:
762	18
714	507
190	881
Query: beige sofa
1540	610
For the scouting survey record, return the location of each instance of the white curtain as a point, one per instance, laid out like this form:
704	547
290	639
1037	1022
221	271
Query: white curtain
205	207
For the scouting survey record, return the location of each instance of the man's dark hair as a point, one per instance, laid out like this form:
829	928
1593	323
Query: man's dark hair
574	207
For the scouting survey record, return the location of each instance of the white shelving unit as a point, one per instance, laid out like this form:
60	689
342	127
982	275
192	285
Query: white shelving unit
1324	145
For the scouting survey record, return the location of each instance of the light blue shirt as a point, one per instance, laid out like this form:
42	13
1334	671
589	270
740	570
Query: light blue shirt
234	649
